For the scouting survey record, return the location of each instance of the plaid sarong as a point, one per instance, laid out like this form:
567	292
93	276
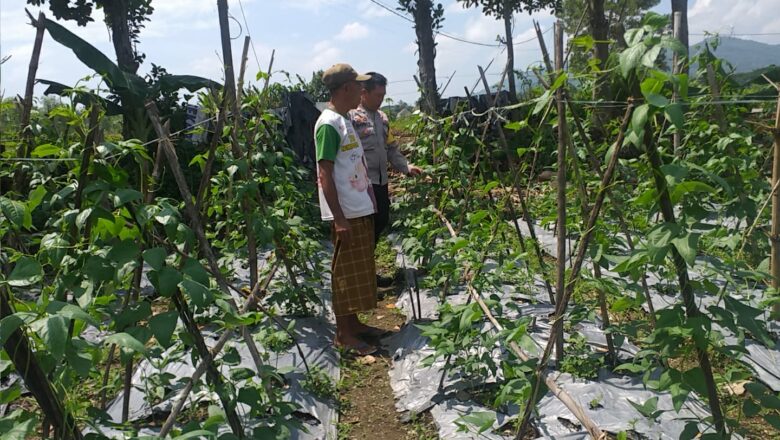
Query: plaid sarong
354	269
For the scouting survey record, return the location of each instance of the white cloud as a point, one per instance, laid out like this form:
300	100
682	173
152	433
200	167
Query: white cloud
352	31
323	55
735	16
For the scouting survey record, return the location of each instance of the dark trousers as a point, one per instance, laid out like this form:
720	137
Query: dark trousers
382	217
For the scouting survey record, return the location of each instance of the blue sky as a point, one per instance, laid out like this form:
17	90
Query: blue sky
183	36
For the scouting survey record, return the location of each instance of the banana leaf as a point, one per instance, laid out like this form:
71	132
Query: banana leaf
120	81
81	97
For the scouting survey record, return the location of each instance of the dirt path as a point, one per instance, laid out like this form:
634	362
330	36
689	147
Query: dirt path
367	405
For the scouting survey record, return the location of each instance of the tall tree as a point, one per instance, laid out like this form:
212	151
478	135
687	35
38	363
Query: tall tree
505	9
427	20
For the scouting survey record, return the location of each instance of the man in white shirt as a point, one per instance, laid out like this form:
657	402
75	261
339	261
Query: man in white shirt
346	198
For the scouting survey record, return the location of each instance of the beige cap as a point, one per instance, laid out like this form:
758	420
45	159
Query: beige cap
340	74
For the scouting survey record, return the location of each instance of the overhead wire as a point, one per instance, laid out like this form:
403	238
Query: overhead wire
249	33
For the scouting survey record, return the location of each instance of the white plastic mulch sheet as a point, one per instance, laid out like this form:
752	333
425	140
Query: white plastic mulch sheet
318	415
607	401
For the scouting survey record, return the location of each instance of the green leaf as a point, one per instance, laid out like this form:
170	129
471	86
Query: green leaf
46	150
629	59
657	100
478	216
16	212
483	420
516	125
168	281
542	102
132	314
750	408
124	340
8	325
196	434
124	252
648	59
774	420
674	114
746	318
56	336
118	79
559	81
35	198
155	257
687	246
163	326
70	311
26	272
688	187
639	118
126	195
99	269
13	430
199	294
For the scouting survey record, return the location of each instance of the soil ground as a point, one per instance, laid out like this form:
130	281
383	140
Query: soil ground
367	405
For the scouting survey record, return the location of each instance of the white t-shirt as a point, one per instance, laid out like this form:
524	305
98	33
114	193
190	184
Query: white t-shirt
336	140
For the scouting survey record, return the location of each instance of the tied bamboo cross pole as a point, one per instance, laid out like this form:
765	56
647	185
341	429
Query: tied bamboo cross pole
26	143
246	202
148	190
596	168
220	344
523	205
568	401
197	224
561	307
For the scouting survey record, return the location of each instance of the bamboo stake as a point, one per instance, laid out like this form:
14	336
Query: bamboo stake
676	70
523	206
242	71
545	54
26	143
596	167
561	189
560	307
197	226
775	233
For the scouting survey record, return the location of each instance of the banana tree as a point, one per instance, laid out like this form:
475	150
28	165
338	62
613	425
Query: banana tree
129	91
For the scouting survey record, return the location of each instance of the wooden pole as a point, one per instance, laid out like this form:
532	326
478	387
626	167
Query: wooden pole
545	55
25	144
18	348
677	65
775	233
242	70
561	187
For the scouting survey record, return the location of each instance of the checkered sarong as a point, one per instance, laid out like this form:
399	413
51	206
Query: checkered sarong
354	269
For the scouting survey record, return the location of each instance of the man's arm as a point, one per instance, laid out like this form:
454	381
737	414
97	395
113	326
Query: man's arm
332	198
397	159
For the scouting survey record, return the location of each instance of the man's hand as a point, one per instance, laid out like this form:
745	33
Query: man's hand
415	170
343	230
